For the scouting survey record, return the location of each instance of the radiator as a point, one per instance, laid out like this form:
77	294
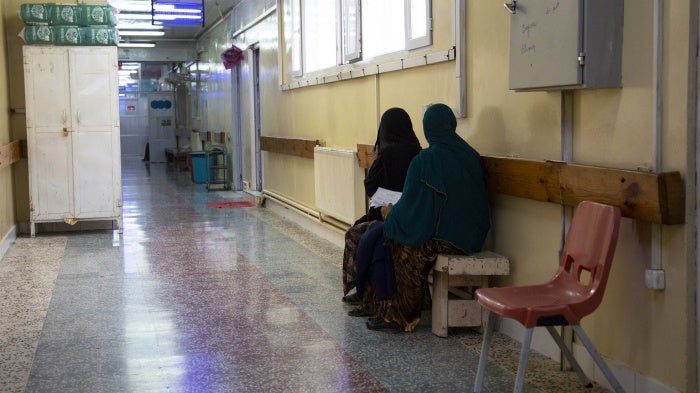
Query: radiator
339	184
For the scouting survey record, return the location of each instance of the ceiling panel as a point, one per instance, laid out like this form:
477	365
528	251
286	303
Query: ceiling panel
214	11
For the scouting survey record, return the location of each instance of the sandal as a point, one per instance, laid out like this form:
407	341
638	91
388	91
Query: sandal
354	299
361	311
378	323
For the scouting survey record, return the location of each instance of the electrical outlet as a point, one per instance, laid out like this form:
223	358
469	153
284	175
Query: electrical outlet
655	279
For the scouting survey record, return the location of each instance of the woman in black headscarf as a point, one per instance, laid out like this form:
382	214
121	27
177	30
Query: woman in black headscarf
443	210
395	147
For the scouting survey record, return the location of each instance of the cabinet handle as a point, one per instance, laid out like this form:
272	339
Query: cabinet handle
77	115
510	7
65	131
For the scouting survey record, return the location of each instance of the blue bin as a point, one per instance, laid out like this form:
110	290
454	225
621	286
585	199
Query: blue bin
199	167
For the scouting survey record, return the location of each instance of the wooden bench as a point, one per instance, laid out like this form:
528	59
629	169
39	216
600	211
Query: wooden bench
459	276
177	157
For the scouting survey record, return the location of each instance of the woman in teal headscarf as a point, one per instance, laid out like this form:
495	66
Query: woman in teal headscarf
443	209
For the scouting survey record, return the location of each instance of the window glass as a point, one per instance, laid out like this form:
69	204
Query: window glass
419	19
418	24
319	34
383	27
296	37
352	42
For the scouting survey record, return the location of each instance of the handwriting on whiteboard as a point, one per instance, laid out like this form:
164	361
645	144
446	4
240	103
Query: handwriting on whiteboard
532	26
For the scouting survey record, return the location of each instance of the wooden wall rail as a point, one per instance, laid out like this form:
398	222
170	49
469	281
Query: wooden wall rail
295	147
652	197
11	153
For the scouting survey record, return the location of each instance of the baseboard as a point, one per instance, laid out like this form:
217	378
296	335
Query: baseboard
7	240
59	226
542	342
314	226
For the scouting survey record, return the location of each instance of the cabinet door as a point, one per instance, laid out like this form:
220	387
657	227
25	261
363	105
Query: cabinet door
545	42
48	133
95	115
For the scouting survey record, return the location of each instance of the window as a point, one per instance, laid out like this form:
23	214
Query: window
352	30
296	37
383	27
319	34
327	33
418	22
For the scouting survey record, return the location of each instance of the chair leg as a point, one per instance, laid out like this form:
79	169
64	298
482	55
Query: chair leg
598	359
569	356
483	357
522	365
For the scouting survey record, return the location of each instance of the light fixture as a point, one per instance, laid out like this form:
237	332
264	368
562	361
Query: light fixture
135	16
131	5
141	33
128	44
129	66
137	26
178	12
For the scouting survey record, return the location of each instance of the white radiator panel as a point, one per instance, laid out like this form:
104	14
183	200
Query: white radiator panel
339	184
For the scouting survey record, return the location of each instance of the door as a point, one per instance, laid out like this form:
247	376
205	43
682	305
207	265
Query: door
257	153
95	116
161	125
49	133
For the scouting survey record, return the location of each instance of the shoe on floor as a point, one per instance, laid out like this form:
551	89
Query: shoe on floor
361	311
378	323
354	299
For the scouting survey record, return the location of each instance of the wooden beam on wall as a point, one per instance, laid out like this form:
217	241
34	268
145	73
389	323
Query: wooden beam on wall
10	153
364	155
651	197
290	146
645	196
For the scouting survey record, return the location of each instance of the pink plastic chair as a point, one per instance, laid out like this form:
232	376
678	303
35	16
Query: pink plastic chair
575	291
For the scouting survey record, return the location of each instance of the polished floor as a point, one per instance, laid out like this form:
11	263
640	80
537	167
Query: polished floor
198	299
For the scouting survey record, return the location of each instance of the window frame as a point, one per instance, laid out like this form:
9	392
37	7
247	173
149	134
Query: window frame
421	41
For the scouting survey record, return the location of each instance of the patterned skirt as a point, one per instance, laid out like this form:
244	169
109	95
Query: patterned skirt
352	239
411	269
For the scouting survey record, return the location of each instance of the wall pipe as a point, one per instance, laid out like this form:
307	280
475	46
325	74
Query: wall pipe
654	276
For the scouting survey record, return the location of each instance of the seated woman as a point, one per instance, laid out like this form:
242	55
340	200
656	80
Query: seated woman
395	146
443	209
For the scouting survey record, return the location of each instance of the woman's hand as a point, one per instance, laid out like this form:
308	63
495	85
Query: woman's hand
385	210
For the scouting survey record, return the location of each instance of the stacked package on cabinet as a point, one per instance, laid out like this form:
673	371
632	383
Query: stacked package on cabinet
68	24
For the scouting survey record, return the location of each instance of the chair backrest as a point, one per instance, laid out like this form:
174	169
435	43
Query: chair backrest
588	253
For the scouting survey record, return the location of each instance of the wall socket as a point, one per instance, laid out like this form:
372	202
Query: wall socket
655	279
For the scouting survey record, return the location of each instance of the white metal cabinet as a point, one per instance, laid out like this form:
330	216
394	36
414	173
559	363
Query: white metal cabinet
72	134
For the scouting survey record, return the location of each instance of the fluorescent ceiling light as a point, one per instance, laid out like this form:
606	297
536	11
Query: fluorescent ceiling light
131	5
136	44
134	16
141	33
178	12
138	26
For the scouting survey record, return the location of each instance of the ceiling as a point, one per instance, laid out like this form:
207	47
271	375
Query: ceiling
214	11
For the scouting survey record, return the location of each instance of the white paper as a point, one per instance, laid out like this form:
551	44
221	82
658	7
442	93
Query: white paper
383	197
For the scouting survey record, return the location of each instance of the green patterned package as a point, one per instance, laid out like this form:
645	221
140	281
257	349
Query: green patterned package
98	15
33	14
63	14
68	35
99	36
37	35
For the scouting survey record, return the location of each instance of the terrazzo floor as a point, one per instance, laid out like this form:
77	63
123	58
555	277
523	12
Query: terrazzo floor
195	299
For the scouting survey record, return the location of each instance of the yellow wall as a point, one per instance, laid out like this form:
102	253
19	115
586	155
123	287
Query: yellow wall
7	203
